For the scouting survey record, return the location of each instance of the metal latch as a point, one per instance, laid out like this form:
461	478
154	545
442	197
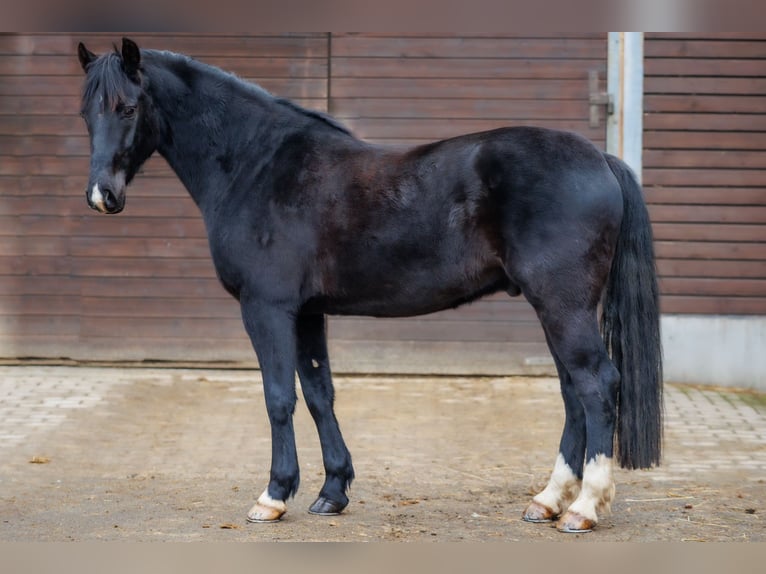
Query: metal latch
597	98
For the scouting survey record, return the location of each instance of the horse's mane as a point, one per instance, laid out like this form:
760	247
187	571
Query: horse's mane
106	79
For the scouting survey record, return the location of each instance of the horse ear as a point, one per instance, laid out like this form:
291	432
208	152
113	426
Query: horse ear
131	58
85	56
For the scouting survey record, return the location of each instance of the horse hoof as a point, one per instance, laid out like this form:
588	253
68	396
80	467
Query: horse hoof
538	513
325	507
266	509
573	523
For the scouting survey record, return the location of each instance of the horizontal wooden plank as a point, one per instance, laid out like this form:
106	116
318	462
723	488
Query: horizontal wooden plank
727	287
512	47
41	264
751	103
414	330
458	88
61	325
500	109
713	305
22	305
33	226
435	129
71	86
119	287
710	250
705	195
248	67
99	246
705	159
45	187
705	122
683	84
199	45
19	246
704	36
38	285
186	268
57	105
720	67
21	145
689	140
704	177
697	48
706	268
706	213
75	205
708	232
467	68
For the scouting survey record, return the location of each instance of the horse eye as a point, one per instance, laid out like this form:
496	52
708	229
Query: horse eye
128	111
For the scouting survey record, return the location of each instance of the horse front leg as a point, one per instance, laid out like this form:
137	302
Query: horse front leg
272	333
316	382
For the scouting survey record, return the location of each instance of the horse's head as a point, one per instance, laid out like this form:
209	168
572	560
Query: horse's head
121	122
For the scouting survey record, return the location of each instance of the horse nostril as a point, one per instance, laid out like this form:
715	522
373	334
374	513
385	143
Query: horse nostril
110	201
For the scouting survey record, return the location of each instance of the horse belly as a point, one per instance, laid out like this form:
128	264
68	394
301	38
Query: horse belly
412	292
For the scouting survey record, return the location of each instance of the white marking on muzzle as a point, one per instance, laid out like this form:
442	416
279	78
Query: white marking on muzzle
97	199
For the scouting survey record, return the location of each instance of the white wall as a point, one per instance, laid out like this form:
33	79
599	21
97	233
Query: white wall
715	350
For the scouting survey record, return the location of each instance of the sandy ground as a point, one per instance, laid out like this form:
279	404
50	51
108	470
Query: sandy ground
169	454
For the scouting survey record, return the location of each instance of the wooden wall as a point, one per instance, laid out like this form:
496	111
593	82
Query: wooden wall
141	285
705	169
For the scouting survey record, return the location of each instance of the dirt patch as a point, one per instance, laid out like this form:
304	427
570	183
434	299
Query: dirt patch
182	455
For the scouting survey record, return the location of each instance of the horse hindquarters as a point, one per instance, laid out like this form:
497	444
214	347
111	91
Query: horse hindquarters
624	394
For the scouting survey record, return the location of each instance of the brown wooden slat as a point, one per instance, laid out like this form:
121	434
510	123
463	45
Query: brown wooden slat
139	247
723	67
705	213
186	267
708	232
703	85
705	177
710	250
458	88
682	304
706	159
657	48
73	187
713	286
512	47
413	330
690	102
731	141
463	68
417	108
21	305
283	45
707	268
71	86
434	129
705	196
271	67
702	122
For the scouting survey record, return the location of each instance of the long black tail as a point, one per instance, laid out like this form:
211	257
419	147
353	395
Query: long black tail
630	325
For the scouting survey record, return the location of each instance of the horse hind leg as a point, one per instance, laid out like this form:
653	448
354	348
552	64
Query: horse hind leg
595	381
566	479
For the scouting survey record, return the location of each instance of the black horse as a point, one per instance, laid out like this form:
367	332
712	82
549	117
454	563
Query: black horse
305	220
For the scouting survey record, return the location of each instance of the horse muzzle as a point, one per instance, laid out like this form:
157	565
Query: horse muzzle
104	198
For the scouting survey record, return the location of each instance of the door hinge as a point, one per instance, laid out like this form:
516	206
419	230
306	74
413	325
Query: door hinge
597	98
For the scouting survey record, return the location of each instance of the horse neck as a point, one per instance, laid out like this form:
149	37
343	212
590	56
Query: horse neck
198	131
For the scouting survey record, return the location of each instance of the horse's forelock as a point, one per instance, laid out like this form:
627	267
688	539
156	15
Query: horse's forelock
106	80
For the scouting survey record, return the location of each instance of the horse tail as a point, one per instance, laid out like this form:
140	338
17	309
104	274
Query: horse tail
630	325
